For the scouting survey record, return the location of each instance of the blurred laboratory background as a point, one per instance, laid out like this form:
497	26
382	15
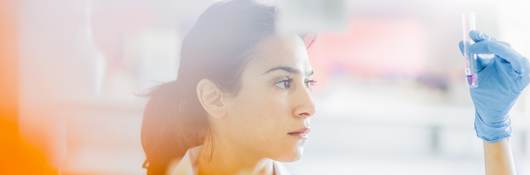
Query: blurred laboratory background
388	68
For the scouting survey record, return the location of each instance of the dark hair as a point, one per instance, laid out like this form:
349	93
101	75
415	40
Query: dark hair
216	48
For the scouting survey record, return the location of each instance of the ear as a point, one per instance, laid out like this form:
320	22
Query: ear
211	98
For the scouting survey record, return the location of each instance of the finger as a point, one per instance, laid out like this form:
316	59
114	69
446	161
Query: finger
461	46
479	48
508	54
478	36
501	50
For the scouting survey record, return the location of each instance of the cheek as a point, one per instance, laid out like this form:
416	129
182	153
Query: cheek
263	115
265	108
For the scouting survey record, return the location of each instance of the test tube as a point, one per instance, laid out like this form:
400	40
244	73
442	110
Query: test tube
468	24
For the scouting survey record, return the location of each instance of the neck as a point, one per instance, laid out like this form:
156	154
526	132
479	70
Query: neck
218	156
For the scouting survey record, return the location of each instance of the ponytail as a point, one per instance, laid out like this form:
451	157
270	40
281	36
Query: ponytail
171	125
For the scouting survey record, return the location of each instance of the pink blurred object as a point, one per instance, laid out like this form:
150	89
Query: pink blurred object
372	48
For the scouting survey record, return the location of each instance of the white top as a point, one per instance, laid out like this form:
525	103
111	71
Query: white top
188	164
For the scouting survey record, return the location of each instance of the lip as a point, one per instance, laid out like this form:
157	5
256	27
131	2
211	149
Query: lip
300	133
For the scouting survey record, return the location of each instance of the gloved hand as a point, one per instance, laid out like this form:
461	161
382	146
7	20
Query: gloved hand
500	81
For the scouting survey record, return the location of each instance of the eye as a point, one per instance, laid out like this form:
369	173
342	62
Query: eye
284	83
310	83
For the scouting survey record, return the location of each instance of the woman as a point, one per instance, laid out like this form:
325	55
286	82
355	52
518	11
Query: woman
242	102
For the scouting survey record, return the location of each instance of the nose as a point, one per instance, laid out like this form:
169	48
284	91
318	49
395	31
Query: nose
304	104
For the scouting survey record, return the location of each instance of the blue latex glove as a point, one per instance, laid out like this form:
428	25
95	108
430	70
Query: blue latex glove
500	81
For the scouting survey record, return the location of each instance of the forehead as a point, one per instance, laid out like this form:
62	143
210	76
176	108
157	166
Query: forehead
280	50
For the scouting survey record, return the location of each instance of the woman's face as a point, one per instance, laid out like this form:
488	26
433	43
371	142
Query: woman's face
270	114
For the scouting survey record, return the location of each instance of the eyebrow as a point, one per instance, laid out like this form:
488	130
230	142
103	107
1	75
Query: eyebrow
288	69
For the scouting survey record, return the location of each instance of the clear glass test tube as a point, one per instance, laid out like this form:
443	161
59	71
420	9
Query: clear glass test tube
468	24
